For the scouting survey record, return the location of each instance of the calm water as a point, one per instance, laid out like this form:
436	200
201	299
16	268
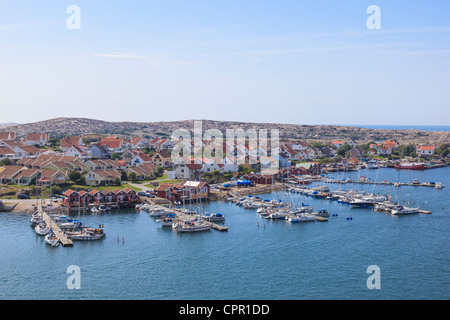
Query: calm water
406	127
274	260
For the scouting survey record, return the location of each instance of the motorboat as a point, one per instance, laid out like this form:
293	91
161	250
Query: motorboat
439	186
95	210
52	239
157	212
190	226
104	208
213	217
300	218
401	210
321	213
36	218
87	234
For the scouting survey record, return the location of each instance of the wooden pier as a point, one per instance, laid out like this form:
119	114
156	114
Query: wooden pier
65	241
186	217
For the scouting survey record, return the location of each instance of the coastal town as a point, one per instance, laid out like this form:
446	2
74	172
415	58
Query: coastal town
113	169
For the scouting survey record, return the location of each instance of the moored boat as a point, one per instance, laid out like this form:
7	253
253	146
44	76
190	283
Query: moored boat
190	226
410	166
52	239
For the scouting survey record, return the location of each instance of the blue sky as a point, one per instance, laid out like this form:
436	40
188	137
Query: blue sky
305	62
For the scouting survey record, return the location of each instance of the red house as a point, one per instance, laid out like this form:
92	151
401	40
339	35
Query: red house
110	196
72	197
97	196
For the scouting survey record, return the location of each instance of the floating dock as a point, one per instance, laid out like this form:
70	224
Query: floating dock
186	217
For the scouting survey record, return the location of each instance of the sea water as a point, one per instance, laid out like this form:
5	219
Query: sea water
256	259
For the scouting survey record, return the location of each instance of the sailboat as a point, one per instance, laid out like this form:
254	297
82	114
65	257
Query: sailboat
42	229
193	225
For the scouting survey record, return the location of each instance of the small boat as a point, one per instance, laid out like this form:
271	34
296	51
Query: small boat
95	210
401	210
213	217
190	226
36	218
104	208
321	213
52	239
439	186
157	212
300	218
42	229
87	234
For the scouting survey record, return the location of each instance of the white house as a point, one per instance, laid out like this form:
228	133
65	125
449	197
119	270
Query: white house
37	138
425	151
79	152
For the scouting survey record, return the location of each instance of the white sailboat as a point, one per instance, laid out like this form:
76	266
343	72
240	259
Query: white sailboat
42	229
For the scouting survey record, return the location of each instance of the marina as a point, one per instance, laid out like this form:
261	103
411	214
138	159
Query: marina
140	247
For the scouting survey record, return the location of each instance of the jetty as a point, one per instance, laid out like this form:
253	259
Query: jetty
65	241
186	217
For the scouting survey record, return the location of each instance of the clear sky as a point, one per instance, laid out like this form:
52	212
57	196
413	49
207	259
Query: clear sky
287	61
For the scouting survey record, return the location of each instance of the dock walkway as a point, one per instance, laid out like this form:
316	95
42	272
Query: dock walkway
186	217
65	241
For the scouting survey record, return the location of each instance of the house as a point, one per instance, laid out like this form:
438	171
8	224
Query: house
113	144
78	151
40	139
337	143
230	165
384	150
70	141
425	151
352	143
140	173
138	143
71	198
6	152
53	177
97	196
7	135
139	158
102	177
298	145
258	178
162	159
183	170
98	151
311	168
26	177
184	191
392	144
161	144
86	198
8	173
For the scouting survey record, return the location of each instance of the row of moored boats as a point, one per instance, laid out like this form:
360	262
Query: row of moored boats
74	229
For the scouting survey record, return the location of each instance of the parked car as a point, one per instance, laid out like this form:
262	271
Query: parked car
23	196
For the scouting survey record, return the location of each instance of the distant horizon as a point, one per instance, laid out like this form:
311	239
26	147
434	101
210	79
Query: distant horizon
423	127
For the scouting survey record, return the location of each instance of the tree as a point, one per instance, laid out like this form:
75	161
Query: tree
342	151
132	176
74	176
115	156
6	162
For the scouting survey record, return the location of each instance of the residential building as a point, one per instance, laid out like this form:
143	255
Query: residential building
40	139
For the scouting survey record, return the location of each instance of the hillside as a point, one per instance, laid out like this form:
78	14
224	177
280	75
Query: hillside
83	126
